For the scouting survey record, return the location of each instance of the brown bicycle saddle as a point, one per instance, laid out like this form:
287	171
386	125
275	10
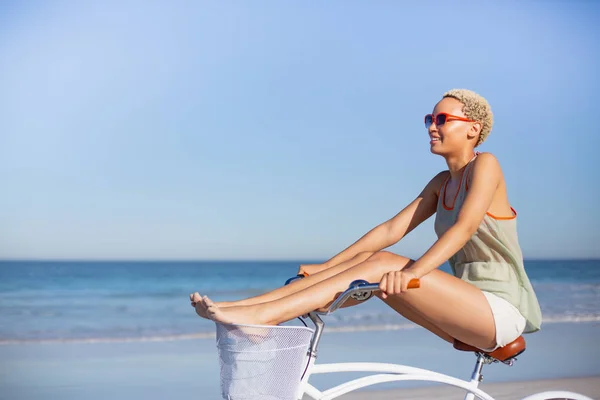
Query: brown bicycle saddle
503	354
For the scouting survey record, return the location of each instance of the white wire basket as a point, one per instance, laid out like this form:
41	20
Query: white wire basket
262	362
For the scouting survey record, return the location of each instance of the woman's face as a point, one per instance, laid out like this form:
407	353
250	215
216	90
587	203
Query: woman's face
453	135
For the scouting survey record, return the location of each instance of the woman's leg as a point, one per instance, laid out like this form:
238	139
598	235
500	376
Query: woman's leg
293	287
448	303
318	295
413	315
456	308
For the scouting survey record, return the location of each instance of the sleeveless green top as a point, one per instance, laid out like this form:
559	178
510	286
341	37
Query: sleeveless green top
491	260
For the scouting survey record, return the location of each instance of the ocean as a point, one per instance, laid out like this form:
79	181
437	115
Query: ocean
110	301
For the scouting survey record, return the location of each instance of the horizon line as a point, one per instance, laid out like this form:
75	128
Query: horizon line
270	260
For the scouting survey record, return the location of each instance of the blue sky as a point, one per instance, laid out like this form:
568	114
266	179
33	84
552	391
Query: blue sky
282	130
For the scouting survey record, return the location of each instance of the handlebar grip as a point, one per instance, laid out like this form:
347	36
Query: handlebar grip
414	284
299	276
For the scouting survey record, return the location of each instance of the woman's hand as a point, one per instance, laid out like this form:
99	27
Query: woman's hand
396	282
310	269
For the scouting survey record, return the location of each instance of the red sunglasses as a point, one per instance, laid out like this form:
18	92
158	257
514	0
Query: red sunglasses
442	118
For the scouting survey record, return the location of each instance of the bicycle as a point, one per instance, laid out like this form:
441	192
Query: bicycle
272	372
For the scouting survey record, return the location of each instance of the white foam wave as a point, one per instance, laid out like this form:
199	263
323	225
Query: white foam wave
570	318
552	319
371	328
166	338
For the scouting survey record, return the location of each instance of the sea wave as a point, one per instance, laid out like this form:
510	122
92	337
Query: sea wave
164	338
211	335
192	336
571	318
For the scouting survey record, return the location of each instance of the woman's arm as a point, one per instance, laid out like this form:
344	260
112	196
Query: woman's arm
394	229
486	178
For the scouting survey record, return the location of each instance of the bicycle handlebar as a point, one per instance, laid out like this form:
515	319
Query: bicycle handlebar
360	290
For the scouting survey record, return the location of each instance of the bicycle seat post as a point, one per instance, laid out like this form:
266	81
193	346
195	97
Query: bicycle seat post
477	376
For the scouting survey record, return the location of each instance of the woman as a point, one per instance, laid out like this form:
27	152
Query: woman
487	302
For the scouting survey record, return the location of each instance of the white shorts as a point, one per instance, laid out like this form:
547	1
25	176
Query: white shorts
508	320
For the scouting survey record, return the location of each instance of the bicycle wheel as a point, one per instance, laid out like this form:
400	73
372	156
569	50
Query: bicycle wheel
557	395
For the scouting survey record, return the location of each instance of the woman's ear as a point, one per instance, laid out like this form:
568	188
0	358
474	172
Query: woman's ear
474	130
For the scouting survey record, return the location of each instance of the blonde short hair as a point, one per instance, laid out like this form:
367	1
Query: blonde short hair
476	108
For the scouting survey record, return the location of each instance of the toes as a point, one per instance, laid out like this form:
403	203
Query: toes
206	302
195	298
211	308
209	303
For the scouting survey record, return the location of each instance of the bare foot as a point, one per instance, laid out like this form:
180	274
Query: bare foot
199	305
232	315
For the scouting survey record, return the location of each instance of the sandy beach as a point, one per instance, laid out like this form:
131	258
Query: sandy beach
562	356
500	391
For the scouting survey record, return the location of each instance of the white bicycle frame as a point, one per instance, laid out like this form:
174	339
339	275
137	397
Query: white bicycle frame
384	372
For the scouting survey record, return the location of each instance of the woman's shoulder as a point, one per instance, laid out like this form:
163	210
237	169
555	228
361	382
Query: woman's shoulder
486	161
486	165
485	157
